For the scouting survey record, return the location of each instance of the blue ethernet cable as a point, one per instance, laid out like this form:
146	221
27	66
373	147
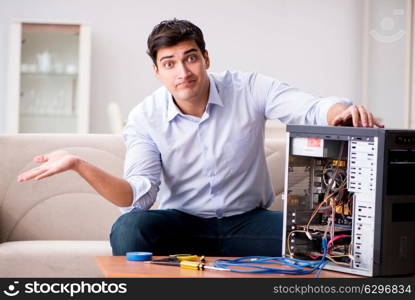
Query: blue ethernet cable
298	266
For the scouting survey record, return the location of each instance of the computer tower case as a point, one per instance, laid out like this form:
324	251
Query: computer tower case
354	187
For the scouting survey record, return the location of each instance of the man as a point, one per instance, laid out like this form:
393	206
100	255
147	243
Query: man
203	134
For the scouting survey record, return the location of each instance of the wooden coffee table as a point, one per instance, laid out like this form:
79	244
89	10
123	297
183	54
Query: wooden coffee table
120	267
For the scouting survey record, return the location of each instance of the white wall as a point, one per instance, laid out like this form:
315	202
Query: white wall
315	45
387	61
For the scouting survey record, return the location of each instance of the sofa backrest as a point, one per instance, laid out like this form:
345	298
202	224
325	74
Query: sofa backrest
64	206
61	207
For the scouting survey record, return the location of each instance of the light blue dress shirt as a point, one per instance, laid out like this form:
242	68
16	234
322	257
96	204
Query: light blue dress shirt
213	166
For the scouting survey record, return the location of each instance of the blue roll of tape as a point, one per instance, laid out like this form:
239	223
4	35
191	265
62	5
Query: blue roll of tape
139	256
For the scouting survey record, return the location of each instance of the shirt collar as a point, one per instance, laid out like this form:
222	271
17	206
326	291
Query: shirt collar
172	109
214	98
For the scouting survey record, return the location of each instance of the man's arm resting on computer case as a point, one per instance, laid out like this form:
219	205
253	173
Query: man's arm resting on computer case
114	189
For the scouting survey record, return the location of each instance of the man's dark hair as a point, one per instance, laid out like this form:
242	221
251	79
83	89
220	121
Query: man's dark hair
171	32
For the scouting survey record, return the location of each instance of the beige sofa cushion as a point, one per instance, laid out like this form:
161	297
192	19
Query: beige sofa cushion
62	207
275	156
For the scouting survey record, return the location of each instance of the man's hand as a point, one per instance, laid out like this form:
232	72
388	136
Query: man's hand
356	115
114	189
51	164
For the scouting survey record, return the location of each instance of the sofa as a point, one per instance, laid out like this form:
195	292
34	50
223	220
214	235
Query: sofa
56	227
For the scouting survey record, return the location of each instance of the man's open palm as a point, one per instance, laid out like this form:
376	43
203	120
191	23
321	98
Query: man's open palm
50	164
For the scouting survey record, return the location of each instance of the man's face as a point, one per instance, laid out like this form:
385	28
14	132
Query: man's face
182	70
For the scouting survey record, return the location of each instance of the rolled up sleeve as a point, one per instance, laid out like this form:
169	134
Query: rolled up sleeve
142	164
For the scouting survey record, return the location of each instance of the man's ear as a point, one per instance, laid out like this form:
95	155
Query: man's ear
207	59
156	70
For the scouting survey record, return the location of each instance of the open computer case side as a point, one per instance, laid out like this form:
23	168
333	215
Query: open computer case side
360	135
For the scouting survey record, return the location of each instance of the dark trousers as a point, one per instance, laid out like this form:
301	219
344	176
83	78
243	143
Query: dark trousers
163	232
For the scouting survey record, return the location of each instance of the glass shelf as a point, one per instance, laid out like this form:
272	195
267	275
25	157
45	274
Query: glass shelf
49	74
49	77
48	115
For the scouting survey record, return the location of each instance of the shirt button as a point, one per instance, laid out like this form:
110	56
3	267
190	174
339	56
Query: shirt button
219	213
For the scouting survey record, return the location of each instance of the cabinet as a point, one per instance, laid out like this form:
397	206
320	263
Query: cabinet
49	70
